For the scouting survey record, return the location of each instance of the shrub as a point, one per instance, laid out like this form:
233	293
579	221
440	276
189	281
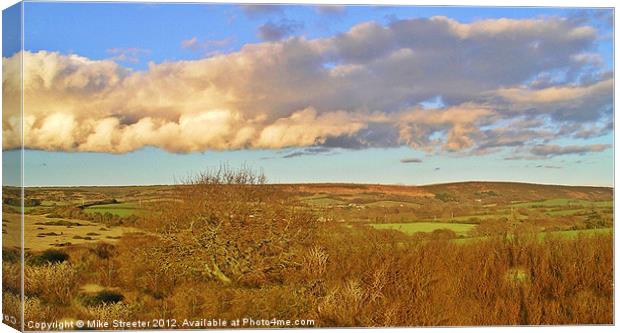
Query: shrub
54	283
147	264
103	297
445	196
110	311
231	227
104	250
11	277
443	234
10	255
50	256
36	310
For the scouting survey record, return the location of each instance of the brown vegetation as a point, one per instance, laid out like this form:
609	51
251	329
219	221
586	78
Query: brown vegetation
230	247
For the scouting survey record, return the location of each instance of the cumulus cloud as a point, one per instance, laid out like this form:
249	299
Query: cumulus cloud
411	160
272	31
366	87
586	102
459	126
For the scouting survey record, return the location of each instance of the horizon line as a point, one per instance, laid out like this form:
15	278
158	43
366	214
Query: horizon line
329	183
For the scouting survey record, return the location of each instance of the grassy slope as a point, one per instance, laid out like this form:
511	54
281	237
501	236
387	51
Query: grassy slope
120	209
412	228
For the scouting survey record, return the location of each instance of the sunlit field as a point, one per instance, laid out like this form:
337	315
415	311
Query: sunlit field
341	255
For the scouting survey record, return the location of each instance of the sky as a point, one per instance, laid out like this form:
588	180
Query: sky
120	93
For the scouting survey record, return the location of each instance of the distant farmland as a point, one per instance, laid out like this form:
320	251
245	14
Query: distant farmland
121	209
412	228
319	250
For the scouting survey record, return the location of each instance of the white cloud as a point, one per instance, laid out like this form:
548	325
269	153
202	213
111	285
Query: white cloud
361	88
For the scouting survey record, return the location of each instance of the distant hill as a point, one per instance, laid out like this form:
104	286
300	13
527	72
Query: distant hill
450	193
499	192
522	191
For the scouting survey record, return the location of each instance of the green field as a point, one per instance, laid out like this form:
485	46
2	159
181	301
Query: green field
564	212
392	203
322	200
568	234
576	233
412	228
482	216
121	209
563	202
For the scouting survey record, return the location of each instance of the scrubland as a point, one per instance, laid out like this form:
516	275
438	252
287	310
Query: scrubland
225	245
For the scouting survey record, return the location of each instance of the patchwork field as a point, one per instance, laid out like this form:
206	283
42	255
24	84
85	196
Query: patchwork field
311	248
467	209
41	233
119	209
412	228
563	202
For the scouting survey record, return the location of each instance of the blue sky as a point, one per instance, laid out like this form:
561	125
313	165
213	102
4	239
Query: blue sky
93	29
139	38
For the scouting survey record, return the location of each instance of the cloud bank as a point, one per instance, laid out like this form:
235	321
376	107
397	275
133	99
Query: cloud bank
497	81
555	150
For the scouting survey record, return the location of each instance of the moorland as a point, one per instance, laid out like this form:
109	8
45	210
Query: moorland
226	244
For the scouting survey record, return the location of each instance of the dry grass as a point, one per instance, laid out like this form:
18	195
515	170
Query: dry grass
55	283
369	280
441	283
109	312
229	247
11	306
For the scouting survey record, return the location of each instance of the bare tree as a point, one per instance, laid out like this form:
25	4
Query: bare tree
229	225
